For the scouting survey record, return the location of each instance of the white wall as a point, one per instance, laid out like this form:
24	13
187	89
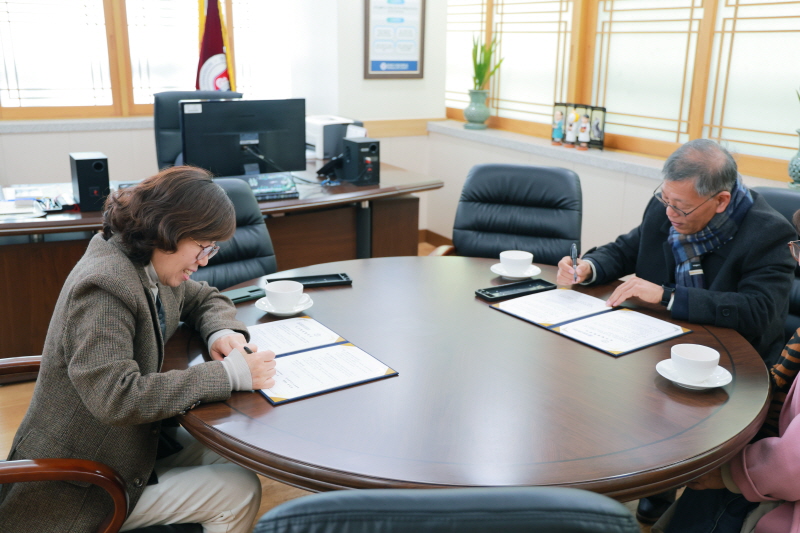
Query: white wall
390	99
38	151
315	54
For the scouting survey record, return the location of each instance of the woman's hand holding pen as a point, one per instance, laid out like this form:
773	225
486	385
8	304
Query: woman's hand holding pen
261	364
566	273
262	367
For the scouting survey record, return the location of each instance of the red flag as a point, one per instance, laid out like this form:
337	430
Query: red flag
212	70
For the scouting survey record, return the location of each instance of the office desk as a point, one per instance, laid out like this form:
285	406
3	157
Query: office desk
483	398
330	224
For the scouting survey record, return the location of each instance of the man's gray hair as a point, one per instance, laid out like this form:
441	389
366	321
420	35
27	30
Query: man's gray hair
712	165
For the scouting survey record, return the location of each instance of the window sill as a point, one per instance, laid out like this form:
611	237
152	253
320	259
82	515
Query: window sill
71	125
614	161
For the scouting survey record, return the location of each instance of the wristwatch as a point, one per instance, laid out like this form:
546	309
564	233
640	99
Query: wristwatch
667	295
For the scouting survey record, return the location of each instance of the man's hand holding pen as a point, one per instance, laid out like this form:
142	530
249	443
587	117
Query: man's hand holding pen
568	275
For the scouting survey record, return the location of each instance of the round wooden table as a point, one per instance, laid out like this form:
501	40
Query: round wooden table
483	398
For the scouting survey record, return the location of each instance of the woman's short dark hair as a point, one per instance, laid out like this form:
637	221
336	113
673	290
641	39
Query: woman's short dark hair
159	212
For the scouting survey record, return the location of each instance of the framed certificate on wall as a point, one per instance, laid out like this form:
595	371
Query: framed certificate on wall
393	38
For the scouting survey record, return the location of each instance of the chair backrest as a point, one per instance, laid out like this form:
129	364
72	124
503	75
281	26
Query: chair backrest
519	207
249	253
467	510
167	121
786	202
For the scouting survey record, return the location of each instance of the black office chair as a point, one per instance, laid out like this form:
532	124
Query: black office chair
786	202
249	253
518	207
496	509
167	123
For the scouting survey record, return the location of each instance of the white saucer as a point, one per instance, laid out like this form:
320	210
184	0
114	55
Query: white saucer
720	377
498	269
305	302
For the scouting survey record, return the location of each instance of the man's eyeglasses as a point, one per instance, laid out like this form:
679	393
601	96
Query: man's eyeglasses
794	247
657	196
207	251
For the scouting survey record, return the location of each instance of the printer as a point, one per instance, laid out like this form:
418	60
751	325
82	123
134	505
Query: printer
324	134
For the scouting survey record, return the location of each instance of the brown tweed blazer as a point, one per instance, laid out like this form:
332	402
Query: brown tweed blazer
100	394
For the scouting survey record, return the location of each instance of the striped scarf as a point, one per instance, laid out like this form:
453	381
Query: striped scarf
688	249
782	375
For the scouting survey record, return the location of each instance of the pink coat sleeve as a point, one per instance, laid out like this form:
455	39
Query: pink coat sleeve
769	469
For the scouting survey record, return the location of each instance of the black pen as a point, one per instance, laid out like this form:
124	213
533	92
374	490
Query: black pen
574	262
246	349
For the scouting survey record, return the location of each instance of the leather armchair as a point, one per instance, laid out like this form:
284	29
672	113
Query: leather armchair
518	207
19	369
786	202
249	253
167	121
467	510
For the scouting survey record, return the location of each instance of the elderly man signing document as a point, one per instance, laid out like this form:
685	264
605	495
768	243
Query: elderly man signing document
710	250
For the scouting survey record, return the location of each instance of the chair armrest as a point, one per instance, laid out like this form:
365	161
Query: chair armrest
445	249
17	369
73	470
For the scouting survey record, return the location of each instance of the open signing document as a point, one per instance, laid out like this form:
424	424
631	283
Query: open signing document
621	331
553	307
588	320
292	335
311	359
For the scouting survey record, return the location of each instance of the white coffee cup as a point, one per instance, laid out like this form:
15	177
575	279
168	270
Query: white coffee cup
284	295
516	262
694	362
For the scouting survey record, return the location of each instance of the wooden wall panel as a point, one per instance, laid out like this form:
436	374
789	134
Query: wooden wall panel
308	238
395	224
32	276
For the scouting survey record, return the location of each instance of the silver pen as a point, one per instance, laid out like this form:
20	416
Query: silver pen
574	253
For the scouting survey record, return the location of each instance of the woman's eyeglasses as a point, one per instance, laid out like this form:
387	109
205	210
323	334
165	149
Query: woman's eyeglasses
207	251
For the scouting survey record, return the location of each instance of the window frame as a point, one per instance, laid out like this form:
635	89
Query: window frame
581	67
119	58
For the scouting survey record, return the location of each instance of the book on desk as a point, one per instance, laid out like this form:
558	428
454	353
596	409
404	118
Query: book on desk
265	187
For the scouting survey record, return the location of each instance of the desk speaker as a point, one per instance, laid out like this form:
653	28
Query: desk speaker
360	161
89	179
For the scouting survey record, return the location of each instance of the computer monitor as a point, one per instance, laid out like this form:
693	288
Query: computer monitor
237	137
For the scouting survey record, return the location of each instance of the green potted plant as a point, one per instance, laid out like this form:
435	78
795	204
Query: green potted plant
476	112
794	164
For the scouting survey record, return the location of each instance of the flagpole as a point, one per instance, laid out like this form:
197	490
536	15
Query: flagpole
227	48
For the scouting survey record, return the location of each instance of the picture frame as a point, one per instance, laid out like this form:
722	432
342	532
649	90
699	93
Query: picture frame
394	39
598	127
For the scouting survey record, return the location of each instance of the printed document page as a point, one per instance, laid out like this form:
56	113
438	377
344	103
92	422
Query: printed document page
331	367
553	307
620	331
292	335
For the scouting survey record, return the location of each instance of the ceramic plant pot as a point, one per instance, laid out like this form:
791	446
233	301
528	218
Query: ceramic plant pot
476	112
